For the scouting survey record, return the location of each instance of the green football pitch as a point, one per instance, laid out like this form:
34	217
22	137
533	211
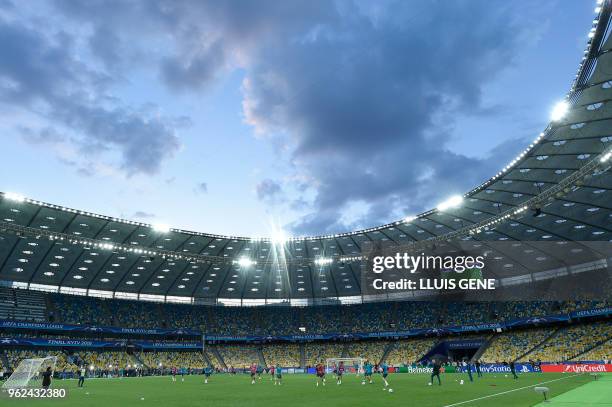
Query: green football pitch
408	390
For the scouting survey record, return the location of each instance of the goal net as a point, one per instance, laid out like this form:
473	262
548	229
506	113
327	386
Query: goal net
351	365
29	372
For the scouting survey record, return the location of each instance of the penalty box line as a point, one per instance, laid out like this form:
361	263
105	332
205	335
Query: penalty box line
509	391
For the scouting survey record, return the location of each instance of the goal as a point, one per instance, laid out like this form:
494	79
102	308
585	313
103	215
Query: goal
351	365
29	372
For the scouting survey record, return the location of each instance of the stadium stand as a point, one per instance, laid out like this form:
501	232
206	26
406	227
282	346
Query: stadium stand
509	346
568	342
283	354
552	343
189	360
375	317
22	305
319	352
239	356
602	352
407	352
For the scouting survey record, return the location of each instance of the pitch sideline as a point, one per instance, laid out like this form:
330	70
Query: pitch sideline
509	391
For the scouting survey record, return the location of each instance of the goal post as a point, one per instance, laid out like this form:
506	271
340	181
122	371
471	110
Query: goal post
29	372
353	365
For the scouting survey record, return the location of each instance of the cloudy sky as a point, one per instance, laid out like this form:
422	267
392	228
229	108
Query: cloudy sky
232	116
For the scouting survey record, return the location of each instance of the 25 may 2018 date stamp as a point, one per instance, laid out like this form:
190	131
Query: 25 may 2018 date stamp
21	393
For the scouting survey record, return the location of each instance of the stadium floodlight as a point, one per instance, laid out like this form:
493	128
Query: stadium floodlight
12	196
161	227
559	111
409	219
245	262
323	261
279	237
451	202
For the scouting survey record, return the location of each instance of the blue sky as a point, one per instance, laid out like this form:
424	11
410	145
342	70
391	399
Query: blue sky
320	117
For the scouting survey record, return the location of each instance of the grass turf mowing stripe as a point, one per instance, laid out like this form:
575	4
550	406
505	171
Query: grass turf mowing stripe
509	391
595	393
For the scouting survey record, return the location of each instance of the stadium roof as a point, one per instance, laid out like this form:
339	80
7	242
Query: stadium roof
557	189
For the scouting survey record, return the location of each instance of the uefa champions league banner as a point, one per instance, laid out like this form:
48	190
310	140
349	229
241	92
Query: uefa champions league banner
63	343
140	331
475	327
537	320
464	344
591	312
47	326
84	343
228	338
167	345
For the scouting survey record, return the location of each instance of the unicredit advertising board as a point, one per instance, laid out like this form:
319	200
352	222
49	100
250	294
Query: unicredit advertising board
578	368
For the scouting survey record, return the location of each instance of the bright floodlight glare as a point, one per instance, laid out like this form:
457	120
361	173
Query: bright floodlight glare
278	237
322	261
245	262
451	202
559	111
12	196
161	228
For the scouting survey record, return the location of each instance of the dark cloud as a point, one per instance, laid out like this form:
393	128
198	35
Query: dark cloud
143	215
193	73
41	74
46	135
202	37
6	4
268	191
143	142
107	46
202	188
368	104
85	172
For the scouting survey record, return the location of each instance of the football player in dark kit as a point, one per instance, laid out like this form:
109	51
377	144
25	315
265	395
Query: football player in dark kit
513	369
478	372
468	369
437	366
46	381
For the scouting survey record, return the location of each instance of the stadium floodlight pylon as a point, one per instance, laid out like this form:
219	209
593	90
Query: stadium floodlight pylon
349	364
29	372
